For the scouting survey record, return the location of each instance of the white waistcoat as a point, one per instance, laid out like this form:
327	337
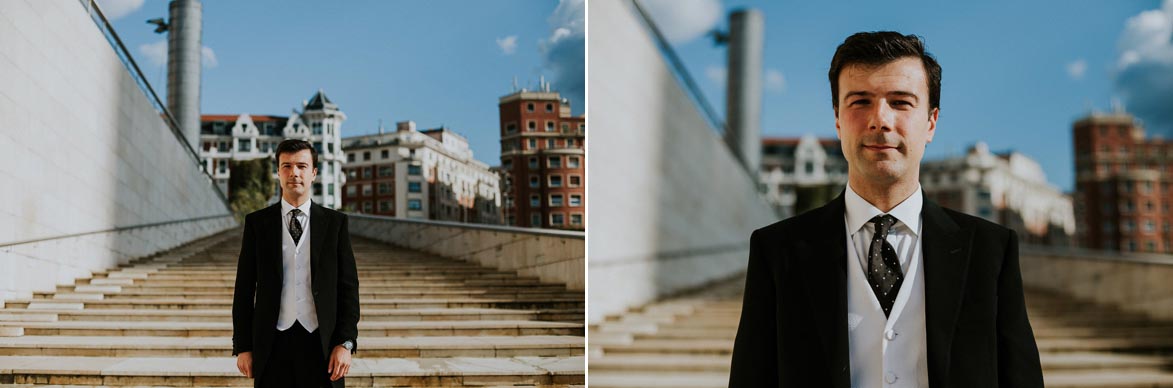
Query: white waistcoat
297	299
887	352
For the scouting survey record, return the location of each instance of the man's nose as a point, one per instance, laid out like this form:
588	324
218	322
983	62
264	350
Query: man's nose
881	117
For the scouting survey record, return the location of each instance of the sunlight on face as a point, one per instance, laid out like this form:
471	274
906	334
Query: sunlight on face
297	172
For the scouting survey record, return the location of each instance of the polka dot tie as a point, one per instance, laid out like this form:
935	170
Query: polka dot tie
883	268
295	226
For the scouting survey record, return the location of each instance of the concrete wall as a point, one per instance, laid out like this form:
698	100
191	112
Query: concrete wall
1133	282
83	151
556	257
671	208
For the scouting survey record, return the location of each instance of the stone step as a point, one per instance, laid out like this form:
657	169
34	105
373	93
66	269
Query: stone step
368	315
363	287
370	347
364	293
372	282
382	303
365	329
221	371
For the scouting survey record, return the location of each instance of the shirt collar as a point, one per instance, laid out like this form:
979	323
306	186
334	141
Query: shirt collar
286	207
860	212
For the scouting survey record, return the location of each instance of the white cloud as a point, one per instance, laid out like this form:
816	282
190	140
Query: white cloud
1144	68
717	74
209	57
1076	69
775	82
156	54
116	9
564	51
684	20
508	44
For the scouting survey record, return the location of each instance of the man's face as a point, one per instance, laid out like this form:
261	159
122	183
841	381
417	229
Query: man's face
296	171
884	121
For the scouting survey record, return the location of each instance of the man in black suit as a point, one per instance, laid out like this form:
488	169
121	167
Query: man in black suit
882	287
296	298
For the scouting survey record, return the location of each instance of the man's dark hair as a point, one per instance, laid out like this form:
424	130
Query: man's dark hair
879	48
293	146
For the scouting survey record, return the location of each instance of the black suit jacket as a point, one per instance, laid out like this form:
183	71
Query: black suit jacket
257	299
793	330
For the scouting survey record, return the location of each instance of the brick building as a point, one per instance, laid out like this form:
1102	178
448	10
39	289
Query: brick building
422	174
543	162
1122	199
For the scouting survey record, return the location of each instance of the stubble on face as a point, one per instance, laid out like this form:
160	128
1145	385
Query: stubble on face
296	172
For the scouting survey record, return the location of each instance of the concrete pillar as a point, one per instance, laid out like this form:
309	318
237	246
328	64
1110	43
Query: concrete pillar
183	67
743	98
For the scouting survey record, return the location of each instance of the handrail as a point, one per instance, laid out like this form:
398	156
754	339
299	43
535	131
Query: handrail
680	71
117	229
124	54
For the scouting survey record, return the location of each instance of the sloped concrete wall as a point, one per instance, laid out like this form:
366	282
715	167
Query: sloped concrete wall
1133	282
556	257
85	158
671	208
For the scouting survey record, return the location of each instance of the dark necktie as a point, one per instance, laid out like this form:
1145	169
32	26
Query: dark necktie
295	225
883	267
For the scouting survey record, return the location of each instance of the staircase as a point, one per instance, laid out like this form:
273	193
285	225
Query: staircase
687	342
167	321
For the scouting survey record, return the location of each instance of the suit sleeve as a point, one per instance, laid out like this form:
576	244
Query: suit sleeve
244	293
1018	355
755	350
348	309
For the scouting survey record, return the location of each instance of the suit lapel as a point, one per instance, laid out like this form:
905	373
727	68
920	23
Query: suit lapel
946	262
822	257
318	225
274	223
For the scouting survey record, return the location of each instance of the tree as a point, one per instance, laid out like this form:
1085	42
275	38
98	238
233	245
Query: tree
249	186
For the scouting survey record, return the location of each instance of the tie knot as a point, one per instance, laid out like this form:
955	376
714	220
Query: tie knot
295	212
883	224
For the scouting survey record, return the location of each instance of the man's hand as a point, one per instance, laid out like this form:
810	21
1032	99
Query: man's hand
244	362
339	363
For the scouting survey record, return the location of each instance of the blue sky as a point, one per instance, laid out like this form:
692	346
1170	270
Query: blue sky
1016	74
433	62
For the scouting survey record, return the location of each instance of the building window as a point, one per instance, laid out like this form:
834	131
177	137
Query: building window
318	147
386	171
810	167
366	206
549	126
317	189
507	164
350	158
1149	226
532	126
529	107
554	162
385	154
572	161
510	128
533	144
535	200
415	204
1127	226
534	182
575	181
569	143
414	187
366	190
535	220
533	162
384	188
575	200
576	219
366	173
317	128
351	190
414	170
557	219
330	189
1151	246
244	145
384	206
549	143
352	173
549	107
555	200
555	181
223	166
1131	246
366	155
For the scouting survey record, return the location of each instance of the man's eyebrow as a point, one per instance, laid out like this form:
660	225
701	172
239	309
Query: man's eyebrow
905	94
859	93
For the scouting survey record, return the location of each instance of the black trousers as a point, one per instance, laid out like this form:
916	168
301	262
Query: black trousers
296	360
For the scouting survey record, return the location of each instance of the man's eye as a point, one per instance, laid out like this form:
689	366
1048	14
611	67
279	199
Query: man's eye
859	102
905	103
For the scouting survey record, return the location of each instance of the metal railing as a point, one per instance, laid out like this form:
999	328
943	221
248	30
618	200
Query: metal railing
136	73
112	230
678	69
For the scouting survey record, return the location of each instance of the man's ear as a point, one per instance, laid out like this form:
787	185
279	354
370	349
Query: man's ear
837	129
932	123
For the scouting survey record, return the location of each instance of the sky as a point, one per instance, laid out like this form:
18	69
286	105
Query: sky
1016	74
441	62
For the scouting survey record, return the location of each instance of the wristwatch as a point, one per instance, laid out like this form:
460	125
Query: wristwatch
348	345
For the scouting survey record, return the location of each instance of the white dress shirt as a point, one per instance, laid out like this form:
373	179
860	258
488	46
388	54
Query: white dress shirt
297	301
886	351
